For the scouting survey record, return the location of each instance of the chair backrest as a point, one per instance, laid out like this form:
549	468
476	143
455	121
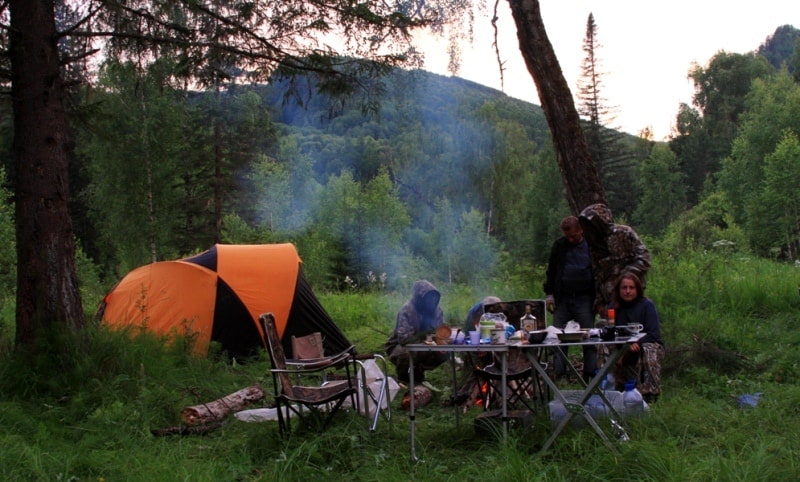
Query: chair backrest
307	347
275	349
515	309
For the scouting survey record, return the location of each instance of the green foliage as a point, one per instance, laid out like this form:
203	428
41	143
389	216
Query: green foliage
89	280
8	242
612	158
8	266
97	397
475	253
706	134
288	194
728	322
776	222
780	47
707	226
663	191
774	110
131	154
357	194
367	219
236	230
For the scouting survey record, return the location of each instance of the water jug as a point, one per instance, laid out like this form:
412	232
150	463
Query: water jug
632	400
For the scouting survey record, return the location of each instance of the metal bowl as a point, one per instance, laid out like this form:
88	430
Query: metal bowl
573	336
537	336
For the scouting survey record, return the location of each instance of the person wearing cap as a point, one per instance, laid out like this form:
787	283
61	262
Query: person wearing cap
475	312
569	290
471	323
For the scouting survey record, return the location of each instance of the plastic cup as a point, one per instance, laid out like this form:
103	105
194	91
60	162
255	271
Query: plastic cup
474	337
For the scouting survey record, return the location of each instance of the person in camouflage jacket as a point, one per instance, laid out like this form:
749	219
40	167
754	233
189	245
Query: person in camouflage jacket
615	249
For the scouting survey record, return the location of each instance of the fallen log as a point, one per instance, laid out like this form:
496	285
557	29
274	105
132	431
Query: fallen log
218	409
186	430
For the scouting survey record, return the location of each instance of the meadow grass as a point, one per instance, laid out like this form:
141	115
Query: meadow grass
86	410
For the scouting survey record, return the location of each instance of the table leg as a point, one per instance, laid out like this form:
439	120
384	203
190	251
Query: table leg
613	415
574	409
503	391
569	364
455	387
411	415
556	394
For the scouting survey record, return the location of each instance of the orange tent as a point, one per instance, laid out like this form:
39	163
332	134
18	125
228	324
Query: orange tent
218	295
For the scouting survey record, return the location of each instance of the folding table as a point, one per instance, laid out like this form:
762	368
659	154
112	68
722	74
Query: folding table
576	408
501	349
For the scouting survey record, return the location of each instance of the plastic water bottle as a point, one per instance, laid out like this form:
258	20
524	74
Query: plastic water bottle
596	407
510	331
632	400
607	383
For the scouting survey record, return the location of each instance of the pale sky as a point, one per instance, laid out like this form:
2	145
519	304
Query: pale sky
646	49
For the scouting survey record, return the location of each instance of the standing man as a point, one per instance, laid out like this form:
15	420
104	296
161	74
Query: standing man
616	249
569	286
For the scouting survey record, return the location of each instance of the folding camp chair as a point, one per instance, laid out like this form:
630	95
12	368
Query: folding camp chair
519	386
373	382
524	386
290	395
370	371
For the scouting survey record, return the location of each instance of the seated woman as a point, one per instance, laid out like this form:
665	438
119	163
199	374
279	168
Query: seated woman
643	360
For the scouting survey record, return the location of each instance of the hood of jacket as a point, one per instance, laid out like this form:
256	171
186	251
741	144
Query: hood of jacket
425	297
597	217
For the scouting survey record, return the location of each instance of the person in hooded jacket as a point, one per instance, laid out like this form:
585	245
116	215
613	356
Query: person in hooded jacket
615	249
418	317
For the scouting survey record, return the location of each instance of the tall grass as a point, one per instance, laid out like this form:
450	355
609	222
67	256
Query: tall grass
86	411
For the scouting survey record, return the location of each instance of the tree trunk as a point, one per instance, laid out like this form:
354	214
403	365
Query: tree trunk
47	285
218	409
574	161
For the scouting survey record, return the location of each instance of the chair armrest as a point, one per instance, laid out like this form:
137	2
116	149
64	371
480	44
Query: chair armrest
294	365
310	364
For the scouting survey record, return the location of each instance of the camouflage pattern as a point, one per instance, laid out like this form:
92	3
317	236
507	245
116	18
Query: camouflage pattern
650	362
419	316
615	249
644	367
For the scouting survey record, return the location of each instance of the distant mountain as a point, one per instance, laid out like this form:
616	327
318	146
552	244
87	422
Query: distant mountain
442	116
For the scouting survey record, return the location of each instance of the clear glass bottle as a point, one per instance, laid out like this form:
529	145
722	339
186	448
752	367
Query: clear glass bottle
528	322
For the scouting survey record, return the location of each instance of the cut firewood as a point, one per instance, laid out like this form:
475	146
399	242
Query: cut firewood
218	409
422	397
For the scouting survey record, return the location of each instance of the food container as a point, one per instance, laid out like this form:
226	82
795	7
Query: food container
498	336
442	336
573	336
489	322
